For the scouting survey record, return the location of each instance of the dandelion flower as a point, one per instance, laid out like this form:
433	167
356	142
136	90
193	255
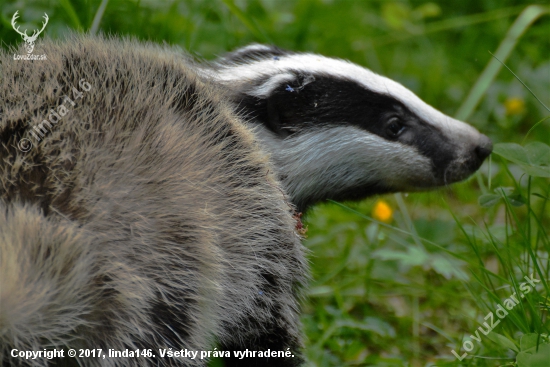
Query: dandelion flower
382	211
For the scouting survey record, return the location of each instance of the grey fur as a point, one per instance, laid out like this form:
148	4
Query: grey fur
148	217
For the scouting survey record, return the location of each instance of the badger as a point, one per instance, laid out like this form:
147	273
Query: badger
149	203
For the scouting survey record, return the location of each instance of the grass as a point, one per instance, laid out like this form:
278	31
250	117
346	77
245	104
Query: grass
408	289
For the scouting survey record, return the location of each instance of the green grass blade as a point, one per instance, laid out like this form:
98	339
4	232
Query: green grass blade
533	128
98	15
522	23
521	81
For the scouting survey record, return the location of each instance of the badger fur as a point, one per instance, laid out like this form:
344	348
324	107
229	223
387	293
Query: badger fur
156	211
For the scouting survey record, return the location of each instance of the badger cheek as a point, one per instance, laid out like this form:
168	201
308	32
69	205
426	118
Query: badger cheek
421	178
410	171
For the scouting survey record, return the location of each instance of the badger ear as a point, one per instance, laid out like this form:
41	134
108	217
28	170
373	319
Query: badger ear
252	53
281	102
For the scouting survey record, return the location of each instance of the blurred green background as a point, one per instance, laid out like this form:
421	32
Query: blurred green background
404	288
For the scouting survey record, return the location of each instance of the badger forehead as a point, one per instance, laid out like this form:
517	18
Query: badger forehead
268	68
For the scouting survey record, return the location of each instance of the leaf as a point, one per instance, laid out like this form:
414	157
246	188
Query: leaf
534	159
512	151
488	200
503	341
536	171
538	358
542	358
514	199
538	153
528	341
413	257
517	200
522	359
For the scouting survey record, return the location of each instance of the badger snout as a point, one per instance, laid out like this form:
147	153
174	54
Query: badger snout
468	160
478	152
483	148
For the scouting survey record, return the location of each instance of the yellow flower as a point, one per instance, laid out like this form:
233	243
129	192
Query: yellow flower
382	211
514	106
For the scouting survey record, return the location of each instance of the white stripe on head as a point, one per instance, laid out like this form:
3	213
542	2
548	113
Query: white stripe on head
264	90
286	65
253	47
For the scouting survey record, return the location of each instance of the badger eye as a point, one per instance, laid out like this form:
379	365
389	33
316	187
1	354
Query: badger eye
395	127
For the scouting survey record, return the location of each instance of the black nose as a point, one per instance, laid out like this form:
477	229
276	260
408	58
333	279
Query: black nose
484	148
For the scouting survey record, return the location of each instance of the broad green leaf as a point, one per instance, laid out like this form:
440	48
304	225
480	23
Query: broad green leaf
533	358
538	153
540	358
528	341
536	171
522	359
534	159
512	151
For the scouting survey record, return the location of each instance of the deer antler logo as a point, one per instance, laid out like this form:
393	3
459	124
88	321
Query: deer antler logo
29	40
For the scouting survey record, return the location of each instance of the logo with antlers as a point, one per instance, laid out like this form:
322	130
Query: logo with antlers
29	40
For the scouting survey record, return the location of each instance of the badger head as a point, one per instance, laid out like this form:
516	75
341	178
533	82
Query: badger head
338	131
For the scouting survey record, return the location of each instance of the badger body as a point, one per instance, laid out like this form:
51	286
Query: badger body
147	217
157	209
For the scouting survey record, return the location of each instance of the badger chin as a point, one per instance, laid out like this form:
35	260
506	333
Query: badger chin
462	168
459	170
456	171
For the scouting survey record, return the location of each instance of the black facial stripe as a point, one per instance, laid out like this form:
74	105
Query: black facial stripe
250	54
322	99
